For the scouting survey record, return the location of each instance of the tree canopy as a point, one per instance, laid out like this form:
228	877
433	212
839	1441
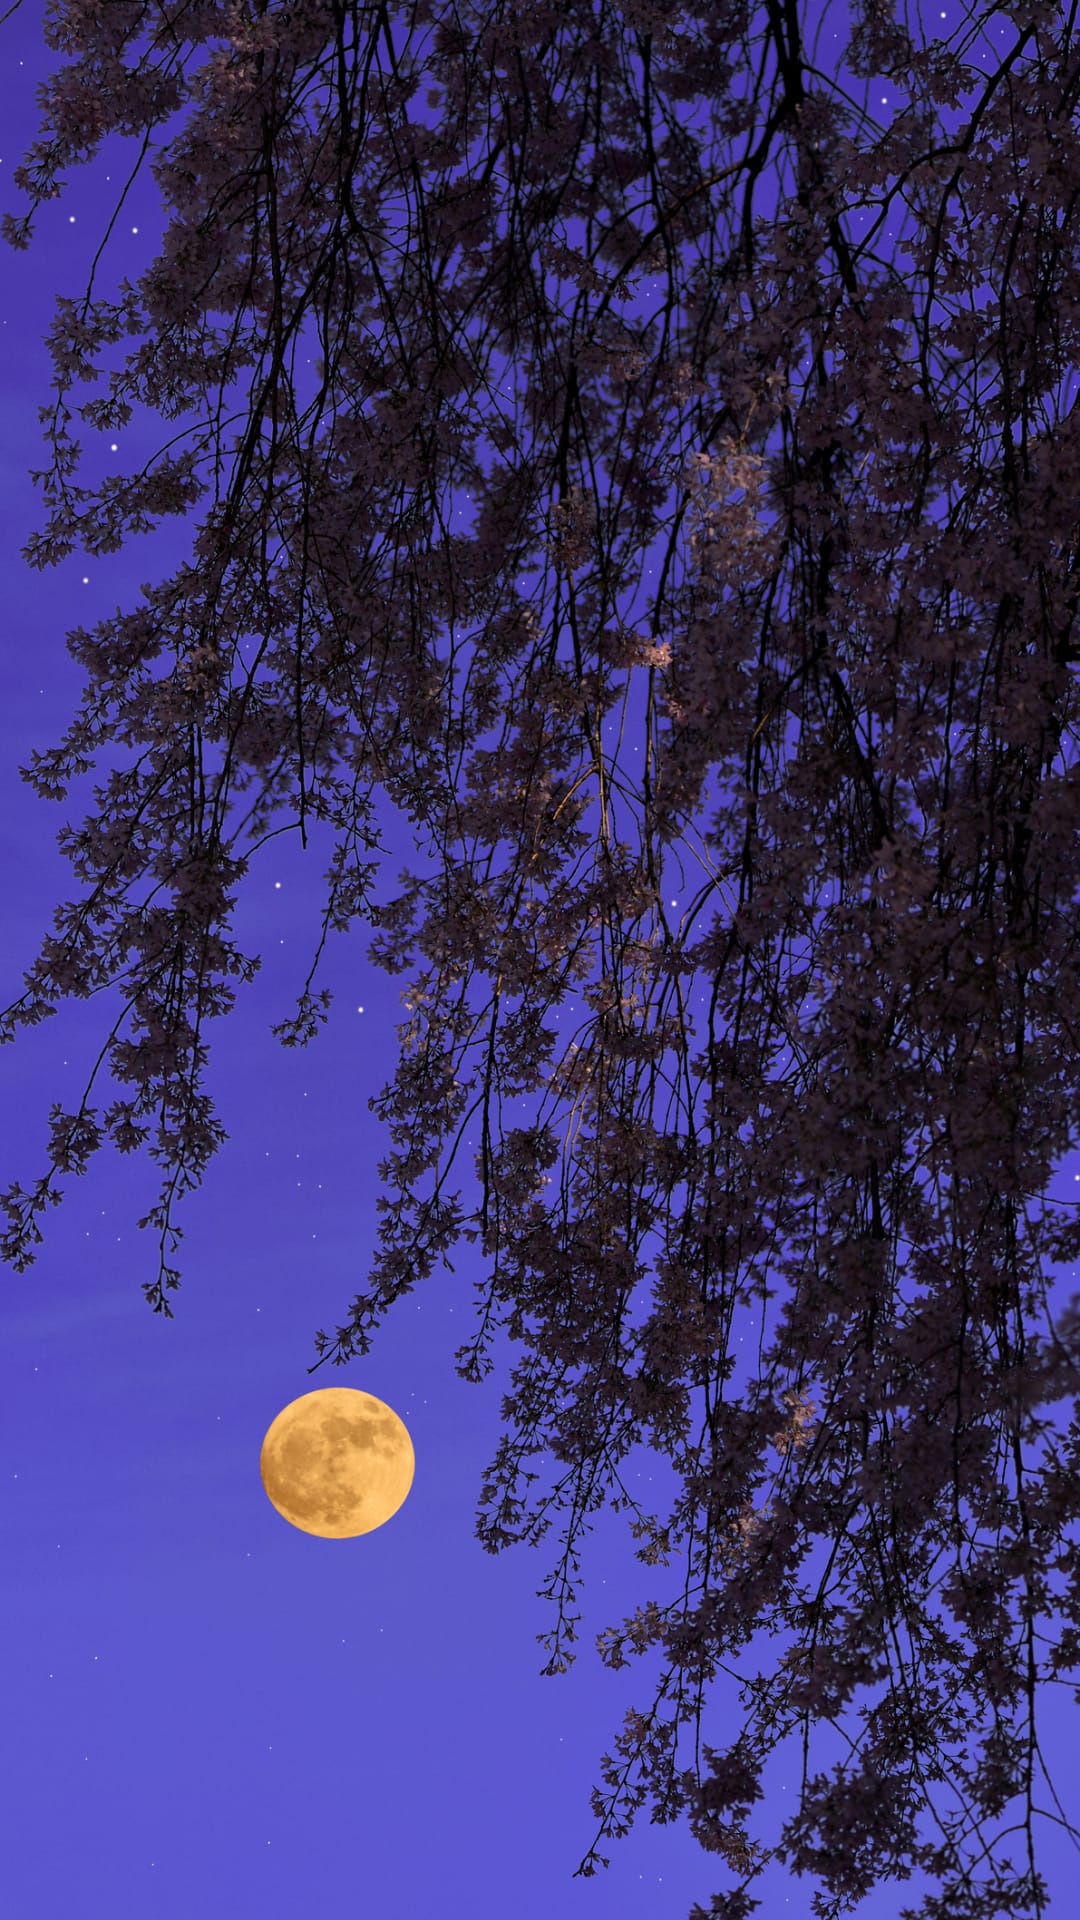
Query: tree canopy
864	476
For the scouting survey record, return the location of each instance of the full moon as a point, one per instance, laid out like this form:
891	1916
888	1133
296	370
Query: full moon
337	1462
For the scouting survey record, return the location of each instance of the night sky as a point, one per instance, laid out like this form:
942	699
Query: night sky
206	1710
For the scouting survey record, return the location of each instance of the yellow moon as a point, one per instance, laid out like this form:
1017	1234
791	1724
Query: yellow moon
337	1462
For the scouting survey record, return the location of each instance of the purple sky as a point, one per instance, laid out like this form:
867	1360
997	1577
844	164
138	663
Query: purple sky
206	1710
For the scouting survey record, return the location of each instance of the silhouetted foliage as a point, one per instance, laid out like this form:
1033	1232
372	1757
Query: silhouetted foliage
888	1067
